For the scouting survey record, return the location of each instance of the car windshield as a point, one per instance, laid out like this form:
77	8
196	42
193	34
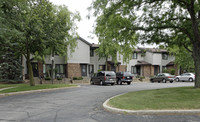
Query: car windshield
166	74
127	74
110	74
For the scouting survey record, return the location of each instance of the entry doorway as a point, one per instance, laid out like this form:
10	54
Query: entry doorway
84	70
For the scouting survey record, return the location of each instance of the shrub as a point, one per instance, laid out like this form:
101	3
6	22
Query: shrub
172	71
77	78
137	76
48	78
99	70
59	78
80	78
165	71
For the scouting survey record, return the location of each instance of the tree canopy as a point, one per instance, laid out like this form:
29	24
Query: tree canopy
172	22
35	25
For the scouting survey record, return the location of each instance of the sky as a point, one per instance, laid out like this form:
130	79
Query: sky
85	26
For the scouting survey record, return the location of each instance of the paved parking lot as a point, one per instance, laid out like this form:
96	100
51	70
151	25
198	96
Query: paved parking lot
83	104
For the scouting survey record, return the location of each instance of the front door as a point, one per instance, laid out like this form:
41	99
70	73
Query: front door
84	69
35	69
138	70
156	69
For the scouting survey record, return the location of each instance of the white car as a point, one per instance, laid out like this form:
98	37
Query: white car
186	77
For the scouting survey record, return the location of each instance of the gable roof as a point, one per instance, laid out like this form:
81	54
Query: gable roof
139	63
83	40
152	50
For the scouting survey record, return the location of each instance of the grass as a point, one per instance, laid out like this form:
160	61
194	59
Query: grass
27	87
160	99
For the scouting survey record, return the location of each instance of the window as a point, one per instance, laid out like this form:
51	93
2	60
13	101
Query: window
134	55
164	56
110	74
102	67
100	74
91	52
35	69
60	70
47	70
133	70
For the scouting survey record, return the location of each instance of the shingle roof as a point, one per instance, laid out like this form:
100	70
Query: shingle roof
154	50
142	63
85	41
170	63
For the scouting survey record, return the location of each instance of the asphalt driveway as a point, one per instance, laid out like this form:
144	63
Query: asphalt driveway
83	104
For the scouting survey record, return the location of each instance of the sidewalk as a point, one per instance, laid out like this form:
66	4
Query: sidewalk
32	91
149	112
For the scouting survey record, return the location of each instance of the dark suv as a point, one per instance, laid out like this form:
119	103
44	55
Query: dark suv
103	78
124	77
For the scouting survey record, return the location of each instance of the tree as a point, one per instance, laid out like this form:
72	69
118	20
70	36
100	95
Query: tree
10	67
114	38
183	58
159	21
61	31
35	25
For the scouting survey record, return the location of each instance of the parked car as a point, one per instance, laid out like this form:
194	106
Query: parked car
163	77
186	77
103	78
124	77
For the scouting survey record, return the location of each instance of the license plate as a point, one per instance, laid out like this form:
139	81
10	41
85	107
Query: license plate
111	79
128	77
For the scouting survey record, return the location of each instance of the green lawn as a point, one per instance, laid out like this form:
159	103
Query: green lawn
27	87
170	98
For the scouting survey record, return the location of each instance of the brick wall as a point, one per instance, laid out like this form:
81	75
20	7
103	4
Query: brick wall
73	70
173	67
152	70
147	71
121	68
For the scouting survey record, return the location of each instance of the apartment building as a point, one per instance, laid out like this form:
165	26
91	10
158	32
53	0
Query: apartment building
150	61
84	61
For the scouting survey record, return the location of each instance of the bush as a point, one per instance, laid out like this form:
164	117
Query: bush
137	76
77	78
59	78
47	78
99	70
172	71
165	71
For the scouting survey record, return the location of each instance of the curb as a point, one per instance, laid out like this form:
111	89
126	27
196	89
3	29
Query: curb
148	112
34	91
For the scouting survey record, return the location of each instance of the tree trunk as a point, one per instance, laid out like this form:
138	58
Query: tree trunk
30	70
196	57
52	67
106	67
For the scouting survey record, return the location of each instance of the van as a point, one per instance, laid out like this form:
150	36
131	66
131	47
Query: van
103	78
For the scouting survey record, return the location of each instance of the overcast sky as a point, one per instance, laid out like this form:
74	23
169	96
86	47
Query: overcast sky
85	26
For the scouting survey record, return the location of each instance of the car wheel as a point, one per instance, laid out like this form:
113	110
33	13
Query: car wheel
177	80
112	84
120	82
190	79
164	81
101	83
152	81
171	81
128	83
